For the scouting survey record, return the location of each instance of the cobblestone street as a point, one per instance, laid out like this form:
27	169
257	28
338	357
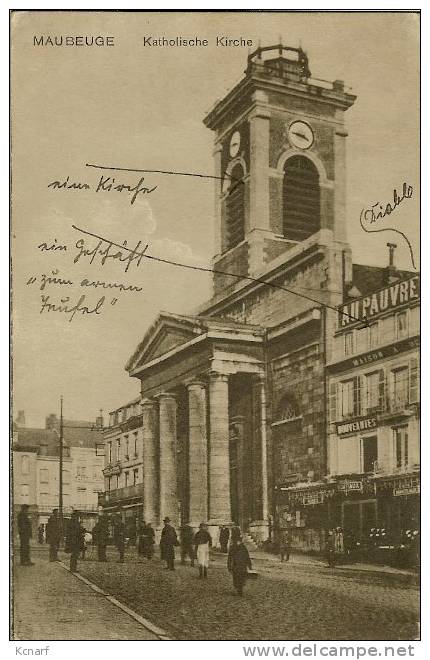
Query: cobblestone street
296	601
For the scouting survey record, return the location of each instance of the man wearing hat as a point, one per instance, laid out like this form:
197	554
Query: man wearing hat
167	544
25	534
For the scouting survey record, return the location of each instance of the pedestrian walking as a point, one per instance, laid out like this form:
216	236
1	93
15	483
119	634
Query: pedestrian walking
119	537
187	543
101	537
83	545
224	536
168	542
74	536
25	534
238	563
284	544
330	549
202	543
53	535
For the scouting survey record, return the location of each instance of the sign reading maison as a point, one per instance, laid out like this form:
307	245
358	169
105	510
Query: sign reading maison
390	297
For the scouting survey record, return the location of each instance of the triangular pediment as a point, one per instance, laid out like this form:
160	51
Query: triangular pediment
167	333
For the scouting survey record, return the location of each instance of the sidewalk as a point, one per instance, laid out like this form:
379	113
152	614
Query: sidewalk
52	604
319	562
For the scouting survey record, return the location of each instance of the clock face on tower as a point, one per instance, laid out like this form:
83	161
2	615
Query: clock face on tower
234	144
300	135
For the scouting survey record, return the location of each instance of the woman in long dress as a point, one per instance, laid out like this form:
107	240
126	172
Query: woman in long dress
202	543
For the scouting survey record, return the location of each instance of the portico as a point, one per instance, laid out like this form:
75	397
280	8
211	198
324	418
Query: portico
204	442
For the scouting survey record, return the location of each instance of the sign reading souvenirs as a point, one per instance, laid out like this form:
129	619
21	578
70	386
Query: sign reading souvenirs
362	424
391	296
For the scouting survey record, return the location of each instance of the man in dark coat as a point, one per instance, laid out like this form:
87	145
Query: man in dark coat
187	536
330	549
25	534
74	536
101	537
119	537
53	535
238	563
167	544
224	536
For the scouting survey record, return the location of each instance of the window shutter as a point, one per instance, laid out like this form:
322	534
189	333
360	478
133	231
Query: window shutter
382	392
413	380
333	401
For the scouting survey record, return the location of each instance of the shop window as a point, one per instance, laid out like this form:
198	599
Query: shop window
369	449
301	199
401	447
401	325
235	207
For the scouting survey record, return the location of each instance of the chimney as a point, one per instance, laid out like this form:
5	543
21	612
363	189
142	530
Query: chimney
392	273
20	420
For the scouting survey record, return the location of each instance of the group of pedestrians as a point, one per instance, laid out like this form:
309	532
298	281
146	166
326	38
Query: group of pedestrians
195	546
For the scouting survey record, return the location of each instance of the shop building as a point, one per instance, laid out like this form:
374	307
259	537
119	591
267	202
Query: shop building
374	412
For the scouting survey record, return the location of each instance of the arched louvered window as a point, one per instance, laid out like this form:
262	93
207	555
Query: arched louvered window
235	207
301	196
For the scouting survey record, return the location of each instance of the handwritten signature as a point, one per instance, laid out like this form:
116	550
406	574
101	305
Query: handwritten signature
379	211
105	184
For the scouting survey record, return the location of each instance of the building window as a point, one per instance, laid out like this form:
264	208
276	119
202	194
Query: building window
373	335
401	325
301	199
136	453
44	498
135	476
401	446
400	381
25	465
127	448
369	448
235	207
118	449
44	476
414	381
375	391
348	340
110	452
351	397
117	480
109	483
126	478
25	493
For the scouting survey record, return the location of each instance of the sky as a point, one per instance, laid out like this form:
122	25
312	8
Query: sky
132	106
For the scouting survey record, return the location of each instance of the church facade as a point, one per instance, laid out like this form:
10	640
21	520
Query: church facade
234	397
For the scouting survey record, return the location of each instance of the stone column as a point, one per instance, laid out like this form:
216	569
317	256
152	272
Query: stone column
150	461
198	454
219	459
260	430
168	478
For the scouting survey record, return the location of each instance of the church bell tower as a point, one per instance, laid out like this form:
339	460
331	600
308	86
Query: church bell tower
280	162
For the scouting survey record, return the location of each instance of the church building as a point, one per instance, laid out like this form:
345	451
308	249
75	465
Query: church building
234	397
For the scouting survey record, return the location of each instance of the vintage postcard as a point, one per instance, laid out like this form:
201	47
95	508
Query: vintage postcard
215	243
